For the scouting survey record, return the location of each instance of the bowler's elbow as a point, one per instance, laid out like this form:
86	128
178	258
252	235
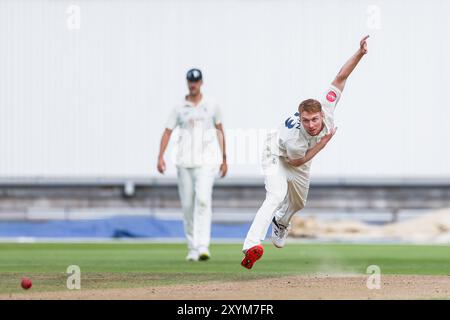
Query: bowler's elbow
297	162
339	81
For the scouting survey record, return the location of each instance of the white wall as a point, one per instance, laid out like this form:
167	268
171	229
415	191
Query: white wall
93	101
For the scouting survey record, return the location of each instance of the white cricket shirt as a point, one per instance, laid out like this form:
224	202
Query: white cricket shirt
197	143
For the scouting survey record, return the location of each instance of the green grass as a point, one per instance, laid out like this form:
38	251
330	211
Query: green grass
134	265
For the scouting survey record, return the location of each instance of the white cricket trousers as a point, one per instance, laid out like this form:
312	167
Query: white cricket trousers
286	192
195	187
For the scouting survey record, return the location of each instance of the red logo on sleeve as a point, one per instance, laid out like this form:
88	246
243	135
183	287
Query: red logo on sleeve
331	96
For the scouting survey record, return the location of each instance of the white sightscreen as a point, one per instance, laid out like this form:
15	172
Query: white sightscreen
86	86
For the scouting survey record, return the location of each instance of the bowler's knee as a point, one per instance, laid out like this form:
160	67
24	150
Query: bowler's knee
299	205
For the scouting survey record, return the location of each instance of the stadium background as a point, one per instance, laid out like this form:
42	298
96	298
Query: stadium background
86	88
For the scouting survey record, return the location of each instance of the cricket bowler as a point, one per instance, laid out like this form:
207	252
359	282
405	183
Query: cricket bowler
200	142
286	162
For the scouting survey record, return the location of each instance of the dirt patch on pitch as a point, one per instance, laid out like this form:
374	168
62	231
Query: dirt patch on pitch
285	288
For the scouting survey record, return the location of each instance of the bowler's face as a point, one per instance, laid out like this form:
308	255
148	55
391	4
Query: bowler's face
194	87
312	122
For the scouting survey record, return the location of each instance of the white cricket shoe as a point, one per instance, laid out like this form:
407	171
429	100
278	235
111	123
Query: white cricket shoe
204	254
192	256
279	234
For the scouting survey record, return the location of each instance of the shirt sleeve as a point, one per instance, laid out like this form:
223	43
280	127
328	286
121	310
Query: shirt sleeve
296	149
329	100
172	121
217	115
331	96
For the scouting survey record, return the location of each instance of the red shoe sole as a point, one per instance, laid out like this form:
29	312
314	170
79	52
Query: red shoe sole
252	255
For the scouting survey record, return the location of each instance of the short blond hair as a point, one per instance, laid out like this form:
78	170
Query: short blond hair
310	105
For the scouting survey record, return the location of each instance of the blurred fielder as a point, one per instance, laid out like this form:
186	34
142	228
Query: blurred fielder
197	161
287	160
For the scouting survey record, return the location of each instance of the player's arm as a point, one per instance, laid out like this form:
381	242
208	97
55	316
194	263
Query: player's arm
349	66
311	153
162	148
221	137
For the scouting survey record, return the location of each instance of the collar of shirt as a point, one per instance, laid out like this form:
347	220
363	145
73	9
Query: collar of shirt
188	103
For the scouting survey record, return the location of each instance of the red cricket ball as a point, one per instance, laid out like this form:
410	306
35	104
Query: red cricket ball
26	283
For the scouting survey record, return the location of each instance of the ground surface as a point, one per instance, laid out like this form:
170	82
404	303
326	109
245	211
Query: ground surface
158	271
